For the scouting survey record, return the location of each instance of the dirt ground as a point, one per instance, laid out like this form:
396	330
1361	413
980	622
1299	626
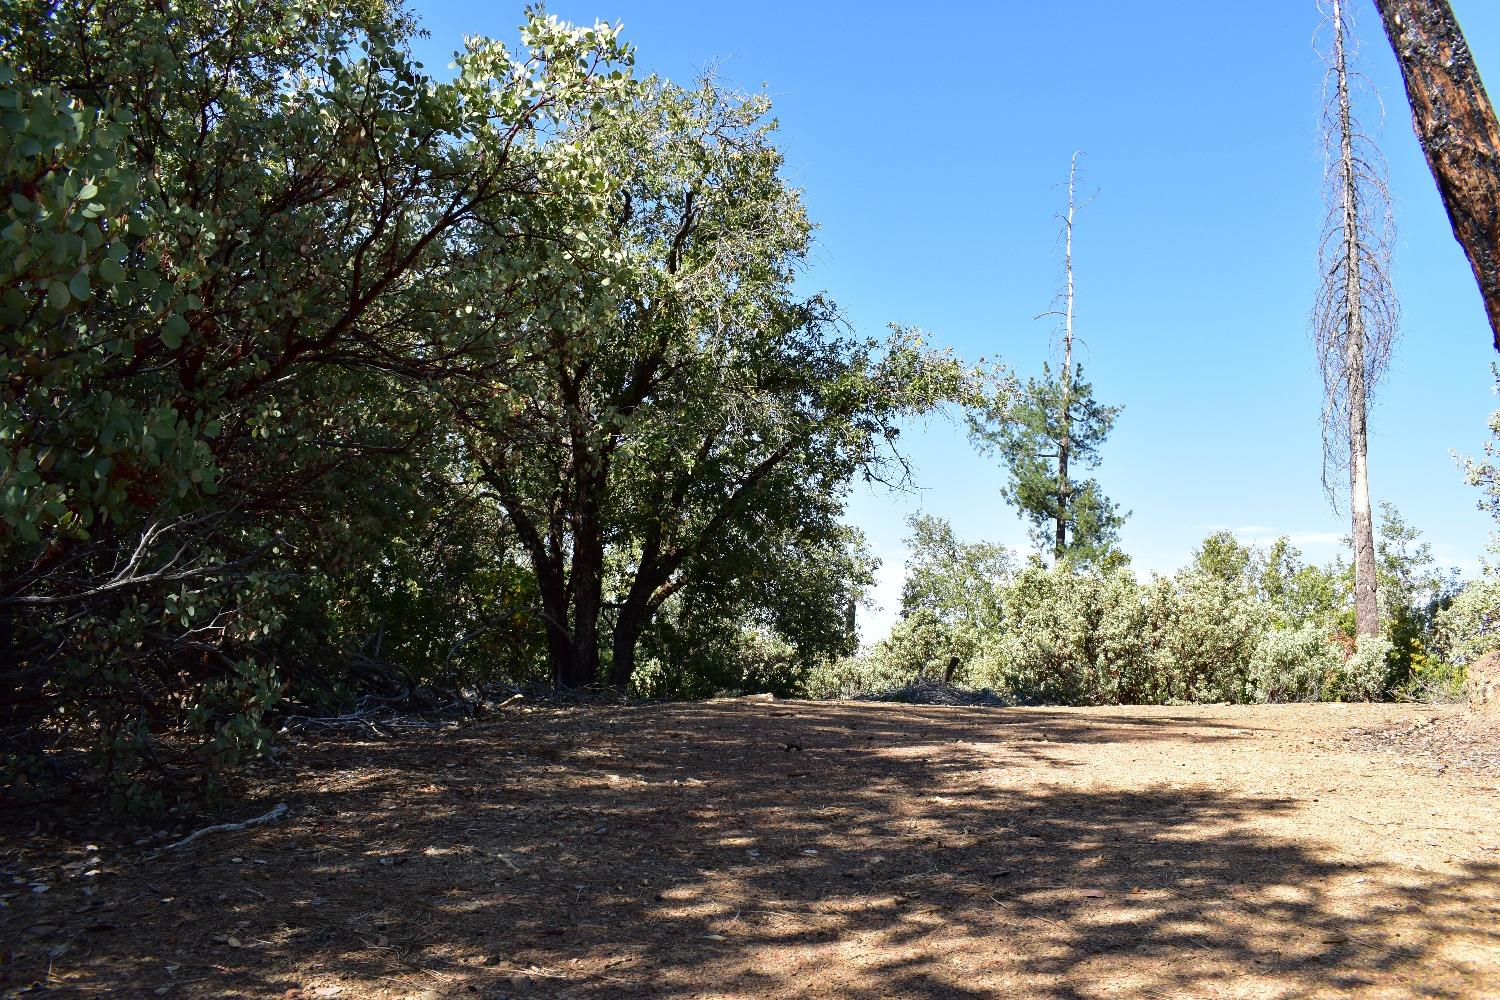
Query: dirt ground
805	849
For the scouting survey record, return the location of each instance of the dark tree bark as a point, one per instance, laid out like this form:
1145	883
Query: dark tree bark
568	670
571	591
628	628
1456	124
587	579
638	611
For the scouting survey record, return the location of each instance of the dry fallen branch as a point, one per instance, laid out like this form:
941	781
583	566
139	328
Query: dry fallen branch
270	817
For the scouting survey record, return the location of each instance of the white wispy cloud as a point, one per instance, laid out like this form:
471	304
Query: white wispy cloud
1302	538
1260	534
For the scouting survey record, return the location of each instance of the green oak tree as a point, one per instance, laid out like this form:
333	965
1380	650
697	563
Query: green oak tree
679	393
957	584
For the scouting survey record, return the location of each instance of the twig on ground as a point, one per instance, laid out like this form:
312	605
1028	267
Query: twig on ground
270	817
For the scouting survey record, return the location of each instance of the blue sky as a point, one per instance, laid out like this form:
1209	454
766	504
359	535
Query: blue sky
931	140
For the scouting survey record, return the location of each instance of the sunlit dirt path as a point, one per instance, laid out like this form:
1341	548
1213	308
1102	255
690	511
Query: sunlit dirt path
741	849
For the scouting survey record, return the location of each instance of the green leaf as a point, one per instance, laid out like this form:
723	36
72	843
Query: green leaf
78	285
173	331
57	295
111	271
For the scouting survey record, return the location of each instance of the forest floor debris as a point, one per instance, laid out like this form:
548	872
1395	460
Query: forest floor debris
927	691
1456	739
680	851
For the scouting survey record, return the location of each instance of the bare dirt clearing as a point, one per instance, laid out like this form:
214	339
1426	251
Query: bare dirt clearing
808	849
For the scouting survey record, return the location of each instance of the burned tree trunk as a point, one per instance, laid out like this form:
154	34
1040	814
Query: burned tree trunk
1456	124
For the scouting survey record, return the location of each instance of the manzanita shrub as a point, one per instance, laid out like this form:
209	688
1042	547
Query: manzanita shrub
1236	625
235	251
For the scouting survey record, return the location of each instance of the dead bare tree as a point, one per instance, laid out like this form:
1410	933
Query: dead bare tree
1065	442
1065	380
1057	417
1355	318
1456	125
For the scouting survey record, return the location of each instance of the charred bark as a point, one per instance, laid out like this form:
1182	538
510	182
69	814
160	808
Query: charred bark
1456	125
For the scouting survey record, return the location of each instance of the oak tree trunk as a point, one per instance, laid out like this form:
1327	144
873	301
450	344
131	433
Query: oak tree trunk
588	592
635	612
572	640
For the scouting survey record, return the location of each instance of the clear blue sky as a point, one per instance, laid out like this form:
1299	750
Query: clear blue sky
931	139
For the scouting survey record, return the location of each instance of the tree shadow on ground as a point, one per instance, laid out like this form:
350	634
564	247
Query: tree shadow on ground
748	850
